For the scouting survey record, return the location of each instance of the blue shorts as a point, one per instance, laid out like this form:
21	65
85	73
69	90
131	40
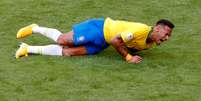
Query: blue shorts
90	34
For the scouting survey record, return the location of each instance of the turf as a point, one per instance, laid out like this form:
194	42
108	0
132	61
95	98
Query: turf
170	72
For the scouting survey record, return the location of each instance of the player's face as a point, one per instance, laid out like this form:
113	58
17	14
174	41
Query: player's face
162	33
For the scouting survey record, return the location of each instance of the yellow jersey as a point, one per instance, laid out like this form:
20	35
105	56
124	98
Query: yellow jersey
133	34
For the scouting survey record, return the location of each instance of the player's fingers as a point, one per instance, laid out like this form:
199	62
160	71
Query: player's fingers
133	61
139	57
138	61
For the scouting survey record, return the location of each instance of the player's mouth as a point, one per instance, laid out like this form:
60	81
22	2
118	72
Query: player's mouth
161	40
158	43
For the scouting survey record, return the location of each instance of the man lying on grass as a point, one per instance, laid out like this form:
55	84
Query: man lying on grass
94	35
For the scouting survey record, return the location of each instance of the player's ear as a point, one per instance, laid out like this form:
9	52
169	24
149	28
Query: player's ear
156	28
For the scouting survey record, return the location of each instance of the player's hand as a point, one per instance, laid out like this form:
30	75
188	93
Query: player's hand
135	59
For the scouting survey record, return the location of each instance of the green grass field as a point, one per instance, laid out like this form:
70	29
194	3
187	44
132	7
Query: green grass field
170	72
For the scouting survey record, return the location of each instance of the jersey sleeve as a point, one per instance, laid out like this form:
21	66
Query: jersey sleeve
127	36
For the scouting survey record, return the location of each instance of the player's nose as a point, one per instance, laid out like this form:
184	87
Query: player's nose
166	38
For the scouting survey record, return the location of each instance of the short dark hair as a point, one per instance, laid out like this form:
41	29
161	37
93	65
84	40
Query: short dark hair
165	22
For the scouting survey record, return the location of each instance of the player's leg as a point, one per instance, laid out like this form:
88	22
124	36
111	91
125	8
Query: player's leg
75	51
54	34
66	39
34	28
26	49
54	50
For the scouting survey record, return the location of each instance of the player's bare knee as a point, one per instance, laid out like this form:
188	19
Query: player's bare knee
60	40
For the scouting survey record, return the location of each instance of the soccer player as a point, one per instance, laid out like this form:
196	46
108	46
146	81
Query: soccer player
94	35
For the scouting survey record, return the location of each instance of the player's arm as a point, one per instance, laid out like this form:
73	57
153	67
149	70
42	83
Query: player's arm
118	43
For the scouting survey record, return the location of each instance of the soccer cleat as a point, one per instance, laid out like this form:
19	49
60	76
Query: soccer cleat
25	31
22	51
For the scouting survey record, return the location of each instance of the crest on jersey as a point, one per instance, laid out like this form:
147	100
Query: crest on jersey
129	36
